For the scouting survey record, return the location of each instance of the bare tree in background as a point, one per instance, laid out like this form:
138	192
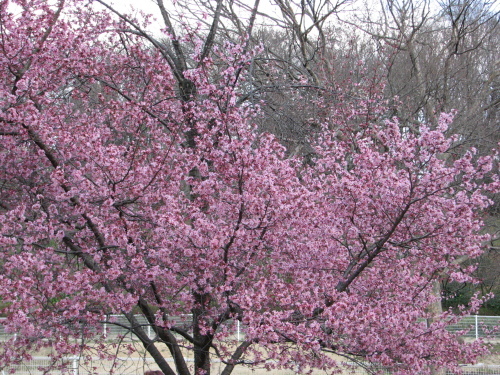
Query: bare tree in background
439	57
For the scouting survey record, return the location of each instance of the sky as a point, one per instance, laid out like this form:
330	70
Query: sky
150	7
145	5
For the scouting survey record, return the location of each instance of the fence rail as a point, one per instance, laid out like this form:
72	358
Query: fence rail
114	326
474	326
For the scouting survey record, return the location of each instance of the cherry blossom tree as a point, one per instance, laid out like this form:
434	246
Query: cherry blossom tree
134	183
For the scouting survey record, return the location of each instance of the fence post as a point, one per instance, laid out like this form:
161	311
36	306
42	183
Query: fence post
74	365
477	328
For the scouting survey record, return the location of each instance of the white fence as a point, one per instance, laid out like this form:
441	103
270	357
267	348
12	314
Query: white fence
115	326
476	326
138	366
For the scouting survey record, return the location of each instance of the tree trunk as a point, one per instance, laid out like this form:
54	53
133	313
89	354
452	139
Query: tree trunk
202	341
436	309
